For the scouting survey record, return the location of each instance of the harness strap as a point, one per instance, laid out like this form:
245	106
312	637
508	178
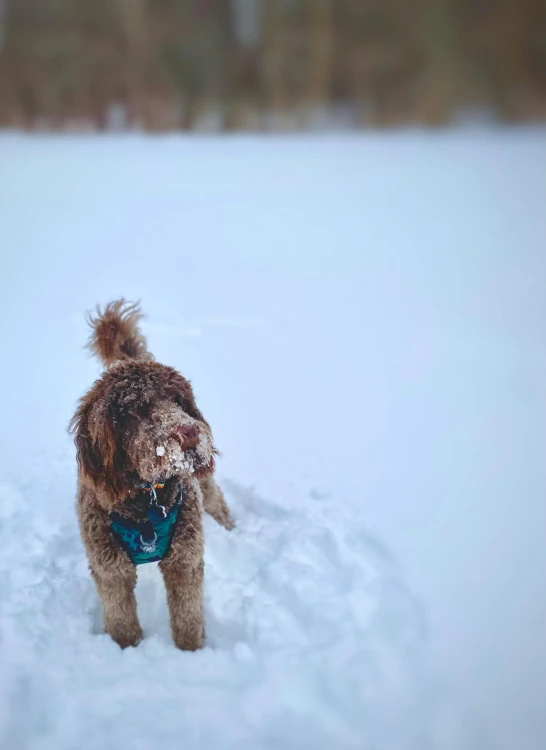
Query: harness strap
148	541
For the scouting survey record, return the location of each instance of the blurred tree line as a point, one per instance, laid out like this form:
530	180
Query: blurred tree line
269	64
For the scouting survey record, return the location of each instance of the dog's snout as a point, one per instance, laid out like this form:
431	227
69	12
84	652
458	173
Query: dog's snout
187	431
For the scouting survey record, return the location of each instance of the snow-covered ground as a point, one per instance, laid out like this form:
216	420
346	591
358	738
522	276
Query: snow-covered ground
364	322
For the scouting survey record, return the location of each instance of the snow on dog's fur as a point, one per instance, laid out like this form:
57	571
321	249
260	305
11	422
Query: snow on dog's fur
139	424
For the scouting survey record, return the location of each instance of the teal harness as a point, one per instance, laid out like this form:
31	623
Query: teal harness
148	541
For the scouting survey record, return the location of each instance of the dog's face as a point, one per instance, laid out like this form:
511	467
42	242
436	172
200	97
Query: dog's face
168	441
139	423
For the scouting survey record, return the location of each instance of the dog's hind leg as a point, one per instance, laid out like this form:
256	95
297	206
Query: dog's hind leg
117	594
183	570
215	504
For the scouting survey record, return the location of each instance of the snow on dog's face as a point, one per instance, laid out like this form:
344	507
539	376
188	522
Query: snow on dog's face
139	423
168	441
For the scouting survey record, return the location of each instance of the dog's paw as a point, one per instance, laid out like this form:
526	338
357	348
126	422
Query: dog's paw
186	641
226	521
126	637
222	516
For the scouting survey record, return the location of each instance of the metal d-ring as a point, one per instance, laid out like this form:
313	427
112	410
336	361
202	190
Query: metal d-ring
148	546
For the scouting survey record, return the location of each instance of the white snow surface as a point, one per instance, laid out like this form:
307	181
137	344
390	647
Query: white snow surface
363	321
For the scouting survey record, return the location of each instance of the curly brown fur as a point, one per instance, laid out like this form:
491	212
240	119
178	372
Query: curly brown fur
114	427
214	502
183	571
139	423
116	335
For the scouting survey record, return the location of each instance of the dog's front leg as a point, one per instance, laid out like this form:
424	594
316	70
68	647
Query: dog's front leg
117	593
112	570
182	571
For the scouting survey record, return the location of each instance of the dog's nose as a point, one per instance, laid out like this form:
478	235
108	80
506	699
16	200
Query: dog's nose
187	431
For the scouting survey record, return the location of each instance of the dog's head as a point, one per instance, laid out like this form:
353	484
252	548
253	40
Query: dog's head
138	424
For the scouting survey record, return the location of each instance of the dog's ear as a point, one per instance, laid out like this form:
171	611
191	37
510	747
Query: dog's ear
87	454
98	450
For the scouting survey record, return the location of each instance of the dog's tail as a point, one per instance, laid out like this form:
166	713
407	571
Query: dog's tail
116	335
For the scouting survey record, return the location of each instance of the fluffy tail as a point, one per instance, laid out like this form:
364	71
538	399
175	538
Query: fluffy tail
116	334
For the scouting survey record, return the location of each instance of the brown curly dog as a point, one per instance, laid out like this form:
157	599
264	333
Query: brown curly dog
146	463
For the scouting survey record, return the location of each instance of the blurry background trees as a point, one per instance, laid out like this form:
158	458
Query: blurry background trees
269	64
